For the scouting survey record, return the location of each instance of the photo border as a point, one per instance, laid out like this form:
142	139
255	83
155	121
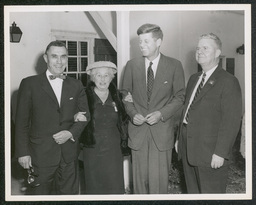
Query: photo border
248	105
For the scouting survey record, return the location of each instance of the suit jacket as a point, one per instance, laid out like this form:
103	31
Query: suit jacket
167	97
214	118
39	117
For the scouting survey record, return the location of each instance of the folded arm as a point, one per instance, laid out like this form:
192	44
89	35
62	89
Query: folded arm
78	126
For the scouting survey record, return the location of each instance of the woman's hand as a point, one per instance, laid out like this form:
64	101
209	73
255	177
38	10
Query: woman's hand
128	97
80	117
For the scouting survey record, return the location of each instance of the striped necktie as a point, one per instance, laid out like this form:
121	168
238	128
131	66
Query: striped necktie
150	80
199	88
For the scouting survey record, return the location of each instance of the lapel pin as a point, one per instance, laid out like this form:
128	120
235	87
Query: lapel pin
165	82
211	82
71	98
114	105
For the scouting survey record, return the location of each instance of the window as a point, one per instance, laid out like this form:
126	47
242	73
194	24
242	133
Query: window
77	58
80	52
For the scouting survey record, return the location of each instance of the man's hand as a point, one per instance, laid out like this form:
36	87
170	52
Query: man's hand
25	162
153	117
62	136
217	161
138	119
80	117
176	146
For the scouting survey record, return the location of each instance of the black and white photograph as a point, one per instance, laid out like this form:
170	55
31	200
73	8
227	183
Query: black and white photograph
128	102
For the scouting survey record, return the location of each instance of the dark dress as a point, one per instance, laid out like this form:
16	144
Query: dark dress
103	163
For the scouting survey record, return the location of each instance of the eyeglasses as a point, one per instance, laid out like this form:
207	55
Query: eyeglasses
32	177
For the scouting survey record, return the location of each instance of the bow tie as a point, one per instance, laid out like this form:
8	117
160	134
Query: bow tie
61	76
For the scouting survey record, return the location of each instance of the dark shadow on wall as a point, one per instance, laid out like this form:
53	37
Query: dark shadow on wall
40	67
40	64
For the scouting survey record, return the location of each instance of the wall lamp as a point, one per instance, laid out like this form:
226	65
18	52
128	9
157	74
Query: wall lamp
15	33
240	50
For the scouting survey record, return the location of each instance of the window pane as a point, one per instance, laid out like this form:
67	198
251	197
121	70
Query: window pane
84	63
72	48
84	48
72	64
72	75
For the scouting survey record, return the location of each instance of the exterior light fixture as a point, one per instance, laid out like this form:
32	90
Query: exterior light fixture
240	50
15	33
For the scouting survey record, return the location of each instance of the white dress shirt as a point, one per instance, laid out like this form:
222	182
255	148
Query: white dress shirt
56	85
154	65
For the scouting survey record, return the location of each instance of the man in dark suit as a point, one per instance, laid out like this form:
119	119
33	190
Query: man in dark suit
46	134
210	121
156	83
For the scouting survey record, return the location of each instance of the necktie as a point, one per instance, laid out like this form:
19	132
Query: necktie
199	88
150	80
61	76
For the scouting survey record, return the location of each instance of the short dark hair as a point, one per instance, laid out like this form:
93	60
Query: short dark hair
151	28
55	43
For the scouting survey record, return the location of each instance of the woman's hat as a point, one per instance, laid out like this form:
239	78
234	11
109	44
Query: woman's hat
101	64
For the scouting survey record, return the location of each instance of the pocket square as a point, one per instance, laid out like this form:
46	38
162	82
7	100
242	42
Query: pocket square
211	82
71	98
165	82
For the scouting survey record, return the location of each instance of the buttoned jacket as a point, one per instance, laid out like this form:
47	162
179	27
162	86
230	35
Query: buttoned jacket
39	116
167	97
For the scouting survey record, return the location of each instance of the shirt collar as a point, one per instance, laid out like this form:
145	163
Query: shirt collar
48	73
155	61
210	72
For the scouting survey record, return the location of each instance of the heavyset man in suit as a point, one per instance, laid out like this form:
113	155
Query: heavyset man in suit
46	134
210	121
151	130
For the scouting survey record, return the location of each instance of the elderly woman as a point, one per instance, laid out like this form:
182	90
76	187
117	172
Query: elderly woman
105	134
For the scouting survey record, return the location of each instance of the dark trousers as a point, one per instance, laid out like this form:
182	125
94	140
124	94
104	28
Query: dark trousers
61	180
202	179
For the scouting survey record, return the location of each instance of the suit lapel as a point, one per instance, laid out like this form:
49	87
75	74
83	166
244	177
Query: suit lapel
48	88
160	75
142	75
209	84
191	88
66	91
190	91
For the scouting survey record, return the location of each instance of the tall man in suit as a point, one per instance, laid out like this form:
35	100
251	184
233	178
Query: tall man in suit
156	83
210	121
46	134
